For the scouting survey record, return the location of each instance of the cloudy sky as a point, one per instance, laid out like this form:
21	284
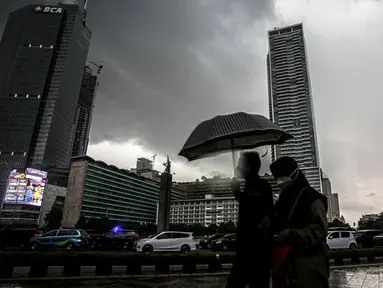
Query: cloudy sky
170	64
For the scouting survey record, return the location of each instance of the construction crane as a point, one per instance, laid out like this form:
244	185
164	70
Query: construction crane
98	66
153	161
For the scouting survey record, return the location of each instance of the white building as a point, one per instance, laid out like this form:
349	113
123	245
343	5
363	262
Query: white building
206	211
333	211
290	100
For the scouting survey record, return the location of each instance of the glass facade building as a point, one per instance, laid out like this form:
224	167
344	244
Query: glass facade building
290	99
96	189
43	53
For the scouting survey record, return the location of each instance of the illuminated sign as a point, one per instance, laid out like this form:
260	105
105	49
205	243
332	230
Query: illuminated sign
47	9
26	187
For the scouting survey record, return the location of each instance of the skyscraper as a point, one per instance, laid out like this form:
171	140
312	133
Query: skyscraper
290	100
84	111
43	52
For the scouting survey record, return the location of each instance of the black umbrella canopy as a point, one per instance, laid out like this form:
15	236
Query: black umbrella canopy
238	131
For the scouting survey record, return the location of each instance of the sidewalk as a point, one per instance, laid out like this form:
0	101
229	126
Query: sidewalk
361	277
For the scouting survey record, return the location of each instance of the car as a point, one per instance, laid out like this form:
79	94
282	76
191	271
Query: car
14	237
341	240
364	238
206	243
168	241
118	239
198	240
61	238
226	243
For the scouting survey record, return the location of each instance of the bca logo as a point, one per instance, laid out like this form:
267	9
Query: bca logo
53	10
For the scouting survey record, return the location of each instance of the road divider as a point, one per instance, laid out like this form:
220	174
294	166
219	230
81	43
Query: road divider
43	264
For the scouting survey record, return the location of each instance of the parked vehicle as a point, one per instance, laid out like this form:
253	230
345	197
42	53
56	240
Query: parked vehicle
17	237
167	241
341	240
120	239
377	241
364	238
226	243
62	238
206	243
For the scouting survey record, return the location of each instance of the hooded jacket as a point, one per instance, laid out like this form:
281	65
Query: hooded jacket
300	221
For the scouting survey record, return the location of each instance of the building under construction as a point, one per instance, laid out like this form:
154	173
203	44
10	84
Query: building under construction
84	111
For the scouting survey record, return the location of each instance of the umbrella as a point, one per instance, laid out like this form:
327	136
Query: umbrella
236	131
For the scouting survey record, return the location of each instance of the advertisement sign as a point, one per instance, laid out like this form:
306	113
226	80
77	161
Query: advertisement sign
26	187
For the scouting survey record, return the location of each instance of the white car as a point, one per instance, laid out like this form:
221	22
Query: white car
168	241
341	240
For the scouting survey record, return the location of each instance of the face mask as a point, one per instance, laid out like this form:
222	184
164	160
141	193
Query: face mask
284	181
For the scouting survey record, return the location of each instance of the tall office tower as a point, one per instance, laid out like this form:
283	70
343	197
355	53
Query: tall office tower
290	101
84	111
43	53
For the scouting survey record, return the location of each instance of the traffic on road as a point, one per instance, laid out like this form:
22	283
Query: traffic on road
167	241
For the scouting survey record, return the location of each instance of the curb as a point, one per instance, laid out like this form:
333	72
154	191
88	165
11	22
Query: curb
120	272
183	275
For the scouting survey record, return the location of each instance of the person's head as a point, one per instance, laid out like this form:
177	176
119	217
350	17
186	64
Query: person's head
249	164
285	171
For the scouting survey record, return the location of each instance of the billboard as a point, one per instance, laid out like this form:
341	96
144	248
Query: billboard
26	187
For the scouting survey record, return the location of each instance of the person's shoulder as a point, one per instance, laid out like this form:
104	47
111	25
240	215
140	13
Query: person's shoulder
312	195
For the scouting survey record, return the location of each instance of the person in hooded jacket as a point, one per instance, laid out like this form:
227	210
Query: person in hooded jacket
254	232
300	222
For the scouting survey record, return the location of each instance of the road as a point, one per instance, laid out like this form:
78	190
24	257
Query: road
356	277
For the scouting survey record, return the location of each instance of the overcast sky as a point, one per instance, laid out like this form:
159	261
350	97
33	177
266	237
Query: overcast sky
171	64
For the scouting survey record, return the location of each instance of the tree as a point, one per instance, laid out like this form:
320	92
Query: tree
228	227
212	229
367	224
338	223
198	229
379	221
81	223
53	218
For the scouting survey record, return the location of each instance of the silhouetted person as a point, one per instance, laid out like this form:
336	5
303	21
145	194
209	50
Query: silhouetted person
254	234
300	225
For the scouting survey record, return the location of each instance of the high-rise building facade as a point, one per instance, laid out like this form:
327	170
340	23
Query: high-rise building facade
84	112
290	100
43	52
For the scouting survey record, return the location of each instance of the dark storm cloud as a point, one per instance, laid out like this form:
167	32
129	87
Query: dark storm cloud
170	64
